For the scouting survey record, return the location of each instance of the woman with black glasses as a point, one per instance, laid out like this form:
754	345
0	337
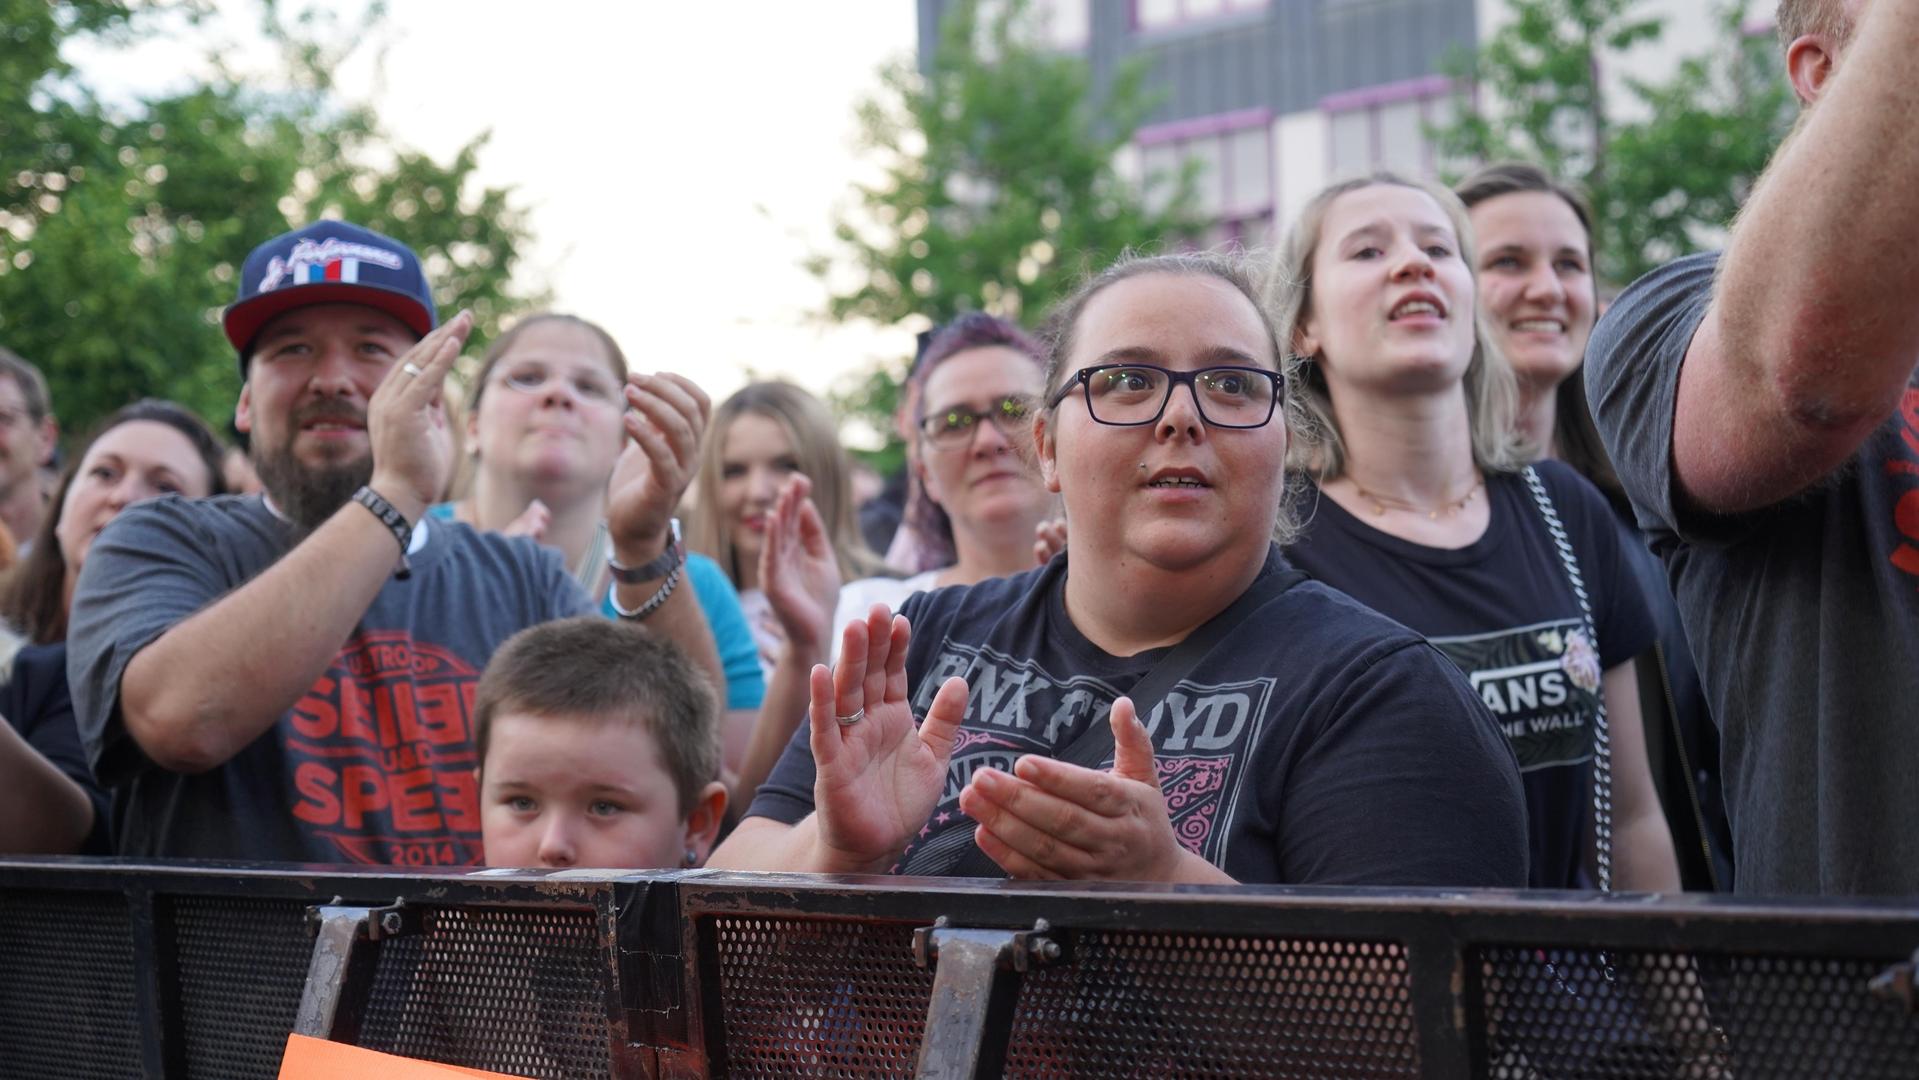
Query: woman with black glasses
1282	733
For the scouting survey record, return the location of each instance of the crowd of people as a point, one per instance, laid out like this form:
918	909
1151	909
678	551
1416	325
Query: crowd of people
1314	568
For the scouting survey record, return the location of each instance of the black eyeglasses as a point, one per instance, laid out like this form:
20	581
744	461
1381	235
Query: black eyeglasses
953	427
1128	395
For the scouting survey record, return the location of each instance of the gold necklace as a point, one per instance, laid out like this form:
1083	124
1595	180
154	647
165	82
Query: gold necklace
1382	502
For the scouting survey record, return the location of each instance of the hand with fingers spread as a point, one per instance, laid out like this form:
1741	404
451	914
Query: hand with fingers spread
879	775
1050	819
1049	539
531	523
407	422
798	570
665	420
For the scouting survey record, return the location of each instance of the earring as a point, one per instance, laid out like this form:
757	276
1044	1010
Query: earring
690	858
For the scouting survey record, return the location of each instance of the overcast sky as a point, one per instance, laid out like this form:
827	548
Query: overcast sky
678	159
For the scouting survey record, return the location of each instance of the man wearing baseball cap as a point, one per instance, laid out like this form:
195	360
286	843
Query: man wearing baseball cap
290	676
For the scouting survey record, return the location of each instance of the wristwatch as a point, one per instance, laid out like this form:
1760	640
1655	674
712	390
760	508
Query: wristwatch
653	570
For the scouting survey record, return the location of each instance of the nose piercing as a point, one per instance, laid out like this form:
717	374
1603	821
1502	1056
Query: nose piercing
1142	466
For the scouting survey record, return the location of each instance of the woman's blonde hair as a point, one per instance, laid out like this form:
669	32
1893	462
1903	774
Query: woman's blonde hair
1492	392
816	446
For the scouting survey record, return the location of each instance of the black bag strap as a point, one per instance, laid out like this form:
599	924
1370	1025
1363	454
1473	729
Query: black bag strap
1094	745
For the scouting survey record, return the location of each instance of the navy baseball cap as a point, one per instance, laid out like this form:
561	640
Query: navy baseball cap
328	262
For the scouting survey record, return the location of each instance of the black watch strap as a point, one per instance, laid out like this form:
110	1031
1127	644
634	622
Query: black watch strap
654	569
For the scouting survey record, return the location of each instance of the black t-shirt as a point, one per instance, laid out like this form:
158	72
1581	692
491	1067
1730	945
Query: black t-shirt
36	702
1502	608
1804	617
1320	744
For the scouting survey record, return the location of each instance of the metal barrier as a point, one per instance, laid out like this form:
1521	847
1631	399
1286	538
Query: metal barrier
116	969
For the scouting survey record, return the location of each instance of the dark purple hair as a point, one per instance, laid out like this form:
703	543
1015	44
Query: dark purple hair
973	330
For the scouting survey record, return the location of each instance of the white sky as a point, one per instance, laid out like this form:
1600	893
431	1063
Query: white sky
678	159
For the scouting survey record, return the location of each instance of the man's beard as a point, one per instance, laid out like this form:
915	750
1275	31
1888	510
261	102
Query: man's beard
307	494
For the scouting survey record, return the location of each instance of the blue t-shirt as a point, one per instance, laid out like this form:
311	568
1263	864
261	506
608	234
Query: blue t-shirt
1321	744
739	657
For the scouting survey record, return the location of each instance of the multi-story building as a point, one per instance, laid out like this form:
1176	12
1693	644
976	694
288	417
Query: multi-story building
1277	97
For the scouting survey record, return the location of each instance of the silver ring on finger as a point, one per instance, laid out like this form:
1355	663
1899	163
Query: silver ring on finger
413	369
848	721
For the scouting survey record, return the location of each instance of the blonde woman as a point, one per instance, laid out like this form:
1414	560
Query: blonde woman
1422	509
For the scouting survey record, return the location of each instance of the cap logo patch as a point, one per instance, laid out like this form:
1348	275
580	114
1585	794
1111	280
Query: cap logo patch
328	260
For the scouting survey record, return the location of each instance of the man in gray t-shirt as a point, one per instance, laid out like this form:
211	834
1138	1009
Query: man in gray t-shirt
1762	408
291	677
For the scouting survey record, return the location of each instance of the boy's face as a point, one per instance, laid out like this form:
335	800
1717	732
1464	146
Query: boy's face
591	792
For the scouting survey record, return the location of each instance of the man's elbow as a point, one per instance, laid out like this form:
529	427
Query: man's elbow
177	741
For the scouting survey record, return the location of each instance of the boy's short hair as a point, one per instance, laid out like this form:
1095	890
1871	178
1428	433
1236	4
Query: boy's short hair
610	670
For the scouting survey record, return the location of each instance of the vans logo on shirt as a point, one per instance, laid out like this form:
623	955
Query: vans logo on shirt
1540	682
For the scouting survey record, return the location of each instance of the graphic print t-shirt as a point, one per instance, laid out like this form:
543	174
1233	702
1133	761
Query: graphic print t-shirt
374	764
1804	618
1503	610
1320	744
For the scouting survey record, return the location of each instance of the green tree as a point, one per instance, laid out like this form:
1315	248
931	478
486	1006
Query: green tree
998	186
1665	166
123	227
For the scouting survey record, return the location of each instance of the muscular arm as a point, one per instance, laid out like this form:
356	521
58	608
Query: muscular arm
42	811
209	686
1813	329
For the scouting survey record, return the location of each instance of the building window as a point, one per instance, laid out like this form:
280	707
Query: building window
1234	156
1385	127
1161	14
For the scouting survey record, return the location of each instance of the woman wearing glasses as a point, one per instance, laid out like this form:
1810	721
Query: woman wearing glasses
978	501
1423	510
1282	734
545	433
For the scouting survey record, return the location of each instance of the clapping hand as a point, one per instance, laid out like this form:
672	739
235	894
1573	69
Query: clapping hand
879	775
1049	819
798	570
407	423
665	420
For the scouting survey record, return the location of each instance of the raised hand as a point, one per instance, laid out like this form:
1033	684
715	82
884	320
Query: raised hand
1049	539
798	571
879	776
531	523
665	420
1049	819
407	423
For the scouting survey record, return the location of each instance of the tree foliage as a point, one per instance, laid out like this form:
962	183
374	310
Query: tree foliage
1667	165
998	185
123	227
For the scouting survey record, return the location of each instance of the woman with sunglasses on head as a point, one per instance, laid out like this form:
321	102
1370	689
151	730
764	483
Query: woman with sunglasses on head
1422	510
546	431
1282	732
49	800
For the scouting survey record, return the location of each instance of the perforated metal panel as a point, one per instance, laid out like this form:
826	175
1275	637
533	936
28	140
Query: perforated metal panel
242	965
1187	1005
514	991
1629	1014
818	997
66	986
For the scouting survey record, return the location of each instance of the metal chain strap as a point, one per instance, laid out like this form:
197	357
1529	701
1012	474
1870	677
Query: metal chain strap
1602	741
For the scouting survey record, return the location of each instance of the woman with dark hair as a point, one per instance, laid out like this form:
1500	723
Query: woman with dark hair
1539	301
1022	726
976	500
49	802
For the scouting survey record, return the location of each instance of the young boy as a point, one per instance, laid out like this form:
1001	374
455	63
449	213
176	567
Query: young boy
598	747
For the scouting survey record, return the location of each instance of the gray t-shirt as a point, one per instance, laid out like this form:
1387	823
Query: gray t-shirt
374	764
1804	617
